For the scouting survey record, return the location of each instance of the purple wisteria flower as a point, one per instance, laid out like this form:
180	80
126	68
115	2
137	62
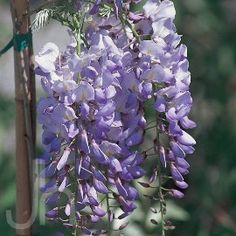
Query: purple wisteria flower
89	133
169	74
94	119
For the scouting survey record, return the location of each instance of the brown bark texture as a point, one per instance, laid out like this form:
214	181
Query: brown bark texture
25	119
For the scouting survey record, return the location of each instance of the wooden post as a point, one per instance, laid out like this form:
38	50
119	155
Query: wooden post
25	119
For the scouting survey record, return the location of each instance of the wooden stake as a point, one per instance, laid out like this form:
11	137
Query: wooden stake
25	120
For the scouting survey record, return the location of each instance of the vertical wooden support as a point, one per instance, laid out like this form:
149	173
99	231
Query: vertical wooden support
25	119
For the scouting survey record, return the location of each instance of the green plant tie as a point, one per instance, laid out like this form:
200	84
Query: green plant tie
19	41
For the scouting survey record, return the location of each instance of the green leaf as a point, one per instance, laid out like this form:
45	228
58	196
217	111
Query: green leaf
42	18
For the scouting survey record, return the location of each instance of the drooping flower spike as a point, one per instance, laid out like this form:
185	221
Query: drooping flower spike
94	119
85	134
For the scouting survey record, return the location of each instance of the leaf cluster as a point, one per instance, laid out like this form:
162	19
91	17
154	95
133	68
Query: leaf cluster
59	10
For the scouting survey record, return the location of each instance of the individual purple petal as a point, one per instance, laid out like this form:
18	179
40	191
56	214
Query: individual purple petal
156	10
83	142
110	92
122	191
181	162
126	175
142	122
46	85
135	158
63	160
95	7
162	28
92	196
100	186
146	90
148	47
171	114
98	211
132	193
177	150
44	159
62	113
160	104
100	95
181	184
175	173
166	9
52	214
47	57
68	209
69	114
107	109
137	171
174	128
182	170
171	156
115	165
84	168
99	176
111	149
84	110
50	186
187	123
72	130
85	92
115	133
187	149
64	86
186	139
55	145
135	138
89	72
47	137
157	74
127	206
50	170
63	185
135	17
53	199
97	153
176	194
95	218
183	111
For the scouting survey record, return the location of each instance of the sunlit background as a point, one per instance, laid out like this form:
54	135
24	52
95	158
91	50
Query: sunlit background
209	207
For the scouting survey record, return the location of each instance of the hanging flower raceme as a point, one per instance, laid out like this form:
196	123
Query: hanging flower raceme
88	136
93	116
166	68
158	70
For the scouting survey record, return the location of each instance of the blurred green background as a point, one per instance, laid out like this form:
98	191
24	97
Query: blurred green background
209	208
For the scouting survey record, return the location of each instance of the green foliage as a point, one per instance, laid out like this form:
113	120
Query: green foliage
42	18
105	10
61	10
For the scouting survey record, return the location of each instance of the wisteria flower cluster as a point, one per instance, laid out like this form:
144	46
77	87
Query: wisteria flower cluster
94	113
